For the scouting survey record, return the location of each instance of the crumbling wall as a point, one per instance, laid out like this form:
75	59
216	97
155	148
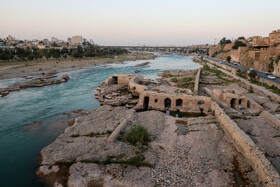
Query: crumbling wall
190	104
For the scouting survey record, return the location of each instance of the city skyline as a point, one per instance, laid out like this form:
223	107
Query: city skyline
139	22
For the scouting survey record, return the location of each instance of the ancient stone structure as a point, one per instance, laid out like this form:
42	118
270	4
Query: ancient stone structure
161	98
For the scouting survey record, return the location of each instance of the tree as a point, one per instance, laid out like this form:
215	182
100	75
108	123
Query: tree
55	44
224	41
271	64
228	59
80	49
76	54
238	44
241	38
30	57
252	74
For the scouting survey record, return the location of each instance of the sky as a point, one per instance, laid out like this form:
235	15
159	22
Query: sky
139	22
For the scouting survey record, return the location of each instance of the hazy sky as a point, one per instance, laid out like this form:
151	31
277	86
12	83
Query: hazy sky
138	22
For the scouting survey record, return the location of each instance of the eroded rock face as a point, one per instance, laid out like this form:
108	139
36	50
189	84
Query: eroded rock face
39	82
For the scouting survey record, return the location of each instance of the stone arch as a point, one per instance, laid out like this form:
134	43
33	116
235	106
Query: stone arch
179	102
115	80
167	103
240	101
233	103
146	103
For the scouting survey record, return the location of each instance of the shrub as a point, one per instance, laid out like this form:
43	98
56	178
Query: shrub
228	59
252	74
238	44
137	136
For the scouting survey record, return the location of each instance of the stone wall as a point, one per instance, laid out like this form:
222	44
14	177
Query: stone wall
189	103
247	147
272	119
196	84
135	87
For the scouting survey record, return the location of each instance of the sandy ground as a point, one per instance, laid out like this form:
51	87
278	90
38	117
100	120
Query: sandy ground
33	68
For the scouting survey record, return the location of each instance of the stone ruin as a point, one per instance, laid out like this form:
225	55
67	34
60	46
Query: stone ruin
133	91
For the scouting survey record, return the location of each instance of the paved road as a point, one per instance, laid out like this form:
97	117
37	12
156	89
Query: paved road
238	66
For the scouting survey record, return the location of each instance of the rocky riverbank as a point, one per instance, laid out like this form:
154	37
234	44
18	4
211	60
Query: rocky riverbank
35	68
82	156
46	80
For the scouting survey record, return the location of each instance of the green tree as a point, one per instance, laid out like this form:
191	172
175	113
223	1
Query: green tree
30	57
76	54
238	44
228	59
252	74
271	64
224	41
54	44
241	38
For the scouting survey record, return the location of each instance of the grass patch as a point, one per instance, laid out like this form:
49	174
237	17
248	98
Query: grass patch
185	82
219	74
137	161
75	135
242	75
272	88
175	80
93	134
137	136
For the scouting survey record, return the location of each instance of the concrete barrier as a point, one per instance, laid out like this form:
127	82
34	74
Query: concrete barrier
248	148
271	118
196	84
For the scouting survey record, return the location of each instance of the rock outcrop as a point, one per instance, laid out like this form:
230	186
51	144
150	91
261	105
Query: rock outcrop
142	64
82	156
45	80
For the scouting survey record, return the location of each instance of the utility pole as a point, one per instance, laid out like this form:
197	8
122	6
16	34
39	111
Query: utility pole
264	69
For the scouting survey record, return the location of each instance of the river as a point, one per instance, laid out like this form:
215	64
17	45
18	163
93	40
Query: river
28	118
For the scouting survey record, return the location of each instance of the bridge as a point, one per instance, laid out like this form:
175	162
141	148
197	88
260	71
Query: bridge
198	49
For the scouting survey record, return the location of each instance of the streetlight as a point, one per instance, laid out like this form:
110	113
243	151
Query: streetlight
264	69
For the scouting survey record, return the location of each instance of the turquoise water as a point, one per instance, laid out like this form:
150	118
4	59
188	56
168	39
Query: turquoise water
28	117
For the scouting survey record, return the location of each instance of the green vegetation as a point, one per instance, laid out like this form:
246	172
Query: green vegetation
228	59
185	82
75	135
93	134
219	74
271	64
224	41
137	161
252	74
241	74
241	38
79	52
137	136
218	52
238	44
272	88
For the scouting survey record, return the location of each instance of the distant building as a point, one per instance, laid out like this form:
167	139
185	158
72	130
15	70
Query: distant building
275	37
69	40
46	41
77	39
54	39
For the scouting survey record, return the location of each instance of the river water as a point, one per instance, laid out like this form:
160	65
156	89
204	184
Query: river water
28	118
